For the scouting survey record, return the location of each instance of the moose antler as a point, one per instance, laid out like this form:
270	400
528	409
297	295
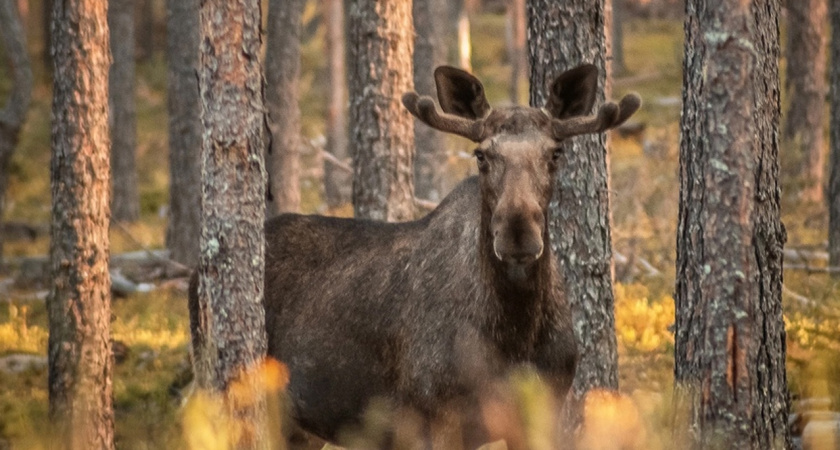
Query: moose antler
610	115
423	107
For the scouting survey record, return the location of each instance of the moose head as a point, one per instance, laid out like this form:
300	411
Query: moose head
518	148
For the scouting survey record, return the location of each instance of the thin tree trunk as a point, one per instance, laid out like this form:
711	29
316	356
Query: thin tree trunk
464	41
834	127
616	37
730	337
282	71
125	200
79	304
46	23
382	130
231	266
13	113
516	48
338	183
805	84
184	226
562	35
429	53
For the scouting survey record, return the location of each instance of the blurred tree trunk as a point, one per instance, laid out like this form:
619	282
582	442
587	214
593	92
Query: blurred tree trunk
730	337
184	106
125	200
231	266
382	130
79	303
145	29
282	71
338	183
13	113
516	47
615	34
464	41
46	22
563	35
806	89
429	53
834	127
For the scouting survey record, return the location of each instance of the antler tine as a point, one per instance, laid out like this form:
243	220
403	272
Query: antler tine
423	107
609	116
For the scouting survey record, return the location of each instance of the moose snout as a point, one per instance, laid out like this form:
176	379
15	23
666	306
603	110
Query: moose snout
517	238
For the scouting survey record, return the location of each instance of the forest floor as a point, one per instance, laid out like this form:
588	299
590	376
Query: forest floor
152	328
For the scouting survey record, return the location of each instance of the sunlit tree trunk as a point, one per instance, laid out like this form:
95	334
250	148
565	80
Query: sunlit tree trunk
806	89
381	129
464	40
14	112
79	303
125	200
562	35
231	318
282	71
429	53
834	127
182	34
730	337
338	182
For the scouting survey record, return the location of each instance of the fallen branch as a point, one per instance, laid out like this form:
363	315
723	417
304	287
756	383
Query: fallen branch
173	268
336	162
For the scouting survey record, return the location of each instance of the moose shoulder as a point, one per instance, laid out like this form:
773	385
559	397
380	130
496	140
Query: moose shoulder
427	315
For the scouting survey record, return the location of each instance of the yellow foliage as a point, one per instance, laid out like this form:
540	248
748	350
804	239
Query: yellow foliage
611	420
642	324
18	336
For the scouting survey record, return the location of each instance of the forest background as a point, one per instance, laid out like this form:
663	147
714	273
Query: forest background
150	325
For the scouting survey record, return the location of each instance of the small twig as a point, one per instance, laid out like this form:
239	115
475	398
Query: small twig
336	162
801	299
176	267
425	205
811	269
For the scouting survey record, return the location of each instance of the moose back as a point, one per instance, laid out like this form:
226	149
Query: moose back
427	316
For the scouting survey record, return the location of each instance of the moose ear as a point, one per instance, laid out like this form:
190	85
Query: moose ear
573	92
460	93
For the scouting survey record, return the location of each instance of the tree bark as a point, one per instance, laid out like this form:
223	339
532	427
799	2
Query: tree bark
834	127
562	35
230	313
382	130
13	113
429	53
730	337
125	200
79	304
183	230
282	71
616	37
338	183
806	89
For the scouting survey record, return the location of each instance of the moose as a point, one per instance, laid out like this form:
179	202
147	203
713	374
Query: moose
426	317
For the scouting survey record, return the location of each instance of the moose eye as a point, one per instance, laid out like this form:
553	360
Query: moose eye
555	155
479	156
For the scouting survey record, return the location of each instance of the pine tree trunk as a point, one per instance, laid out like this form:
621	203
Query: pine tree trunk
730	337
282	70
79	304
562	35
381	129
184	226
338	183
231	265
805	84
14	112
429	53
615	32
125	201
834	127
